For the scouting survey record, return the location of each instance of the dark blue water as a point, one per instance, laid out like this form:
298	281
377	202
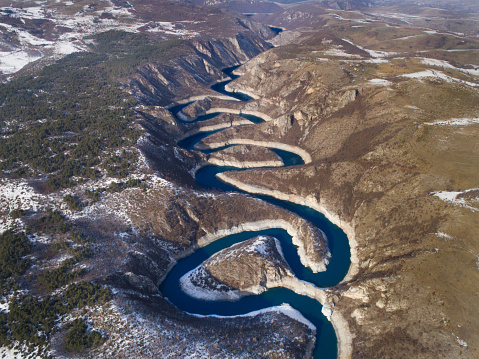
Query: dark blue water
220	87
326	341
177	108
277	30
190	142
229	71
337	239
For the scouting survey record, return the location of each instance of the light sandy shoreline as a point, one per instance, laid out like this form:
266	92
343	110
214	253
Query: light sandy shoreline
218	126
296	232
339	323
233	111
305	156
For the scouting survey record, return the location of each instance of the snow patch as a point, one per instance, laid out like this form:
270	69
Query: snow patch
412	107
338	52
17	353
220	292
444	235
169	28
376	61
453	197
66	48
438	74
11	62
284	308
380	82
447	65
19	195
455	122
461	342
373	53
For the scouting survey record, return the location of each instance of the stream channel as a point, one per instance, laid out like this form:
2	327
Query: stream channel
326	340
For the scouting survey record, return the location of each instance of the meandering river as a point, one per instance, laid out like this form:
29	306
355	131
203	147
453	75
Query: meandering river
326	340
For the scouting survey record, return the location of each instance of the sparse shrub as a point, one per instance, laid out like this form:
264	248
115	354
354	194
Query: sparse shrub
17	213
73	202
94	195
13	248
78	339
54	221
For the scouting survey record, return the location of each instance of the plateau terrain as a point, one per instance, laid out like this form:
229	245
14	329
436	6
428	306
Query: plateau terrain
239	179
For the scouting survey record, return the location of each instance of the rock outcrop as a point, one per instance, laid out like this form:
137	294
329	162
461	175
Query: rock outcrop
249	267
192	75
245	156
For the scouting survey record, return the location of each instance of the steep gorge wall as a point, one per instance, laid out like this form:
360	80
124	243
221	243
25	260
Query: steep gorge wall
187	77
192	75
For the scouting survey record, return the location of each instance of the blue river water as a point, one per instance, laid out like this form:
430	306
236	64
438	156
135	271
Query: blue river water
326	341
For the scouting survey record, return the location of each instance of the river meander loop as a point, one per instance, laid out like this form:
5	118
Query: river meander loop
326	340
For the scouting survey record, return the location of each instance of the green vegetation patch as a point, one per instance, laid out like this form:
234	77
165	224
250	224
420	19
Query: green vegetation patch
58	277
13	249
52	222
129	50
73	202
72	116
62	120
32	320
78	339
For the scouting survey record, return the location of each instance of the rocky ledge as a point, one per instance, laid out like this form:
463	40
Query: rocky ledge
215	104
219	122
249	267
246	156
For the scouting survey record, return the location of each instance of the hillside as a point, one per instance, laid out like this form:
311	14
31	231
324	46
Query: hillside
124	154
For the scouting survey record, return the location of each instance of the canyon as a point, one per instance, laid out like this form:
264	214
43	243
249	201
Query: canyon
353	114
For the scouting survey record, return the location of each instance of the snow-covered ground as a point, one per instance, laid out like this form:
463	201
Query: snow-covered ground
454	197
15	353
11	62
440	75
444	236
17	194
455	122
284	308
447	65
338	52
7	353
380	82
29	48
373	53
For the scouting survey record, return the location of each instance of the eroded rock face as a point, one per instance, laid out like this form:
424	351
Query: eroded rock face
222	121
192	75
245	156
281	84
249	267
374	169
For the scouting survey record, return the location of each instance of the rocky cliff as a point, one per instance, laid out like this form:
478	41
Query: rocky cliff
372	174
192	75
249	267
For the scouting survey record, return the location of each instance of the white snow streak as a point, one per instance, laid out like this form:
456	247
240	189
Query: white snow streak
455	122
284	308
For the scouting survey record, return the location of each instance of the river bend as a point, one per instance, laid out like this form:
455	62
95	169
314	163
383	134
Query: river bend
326	340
